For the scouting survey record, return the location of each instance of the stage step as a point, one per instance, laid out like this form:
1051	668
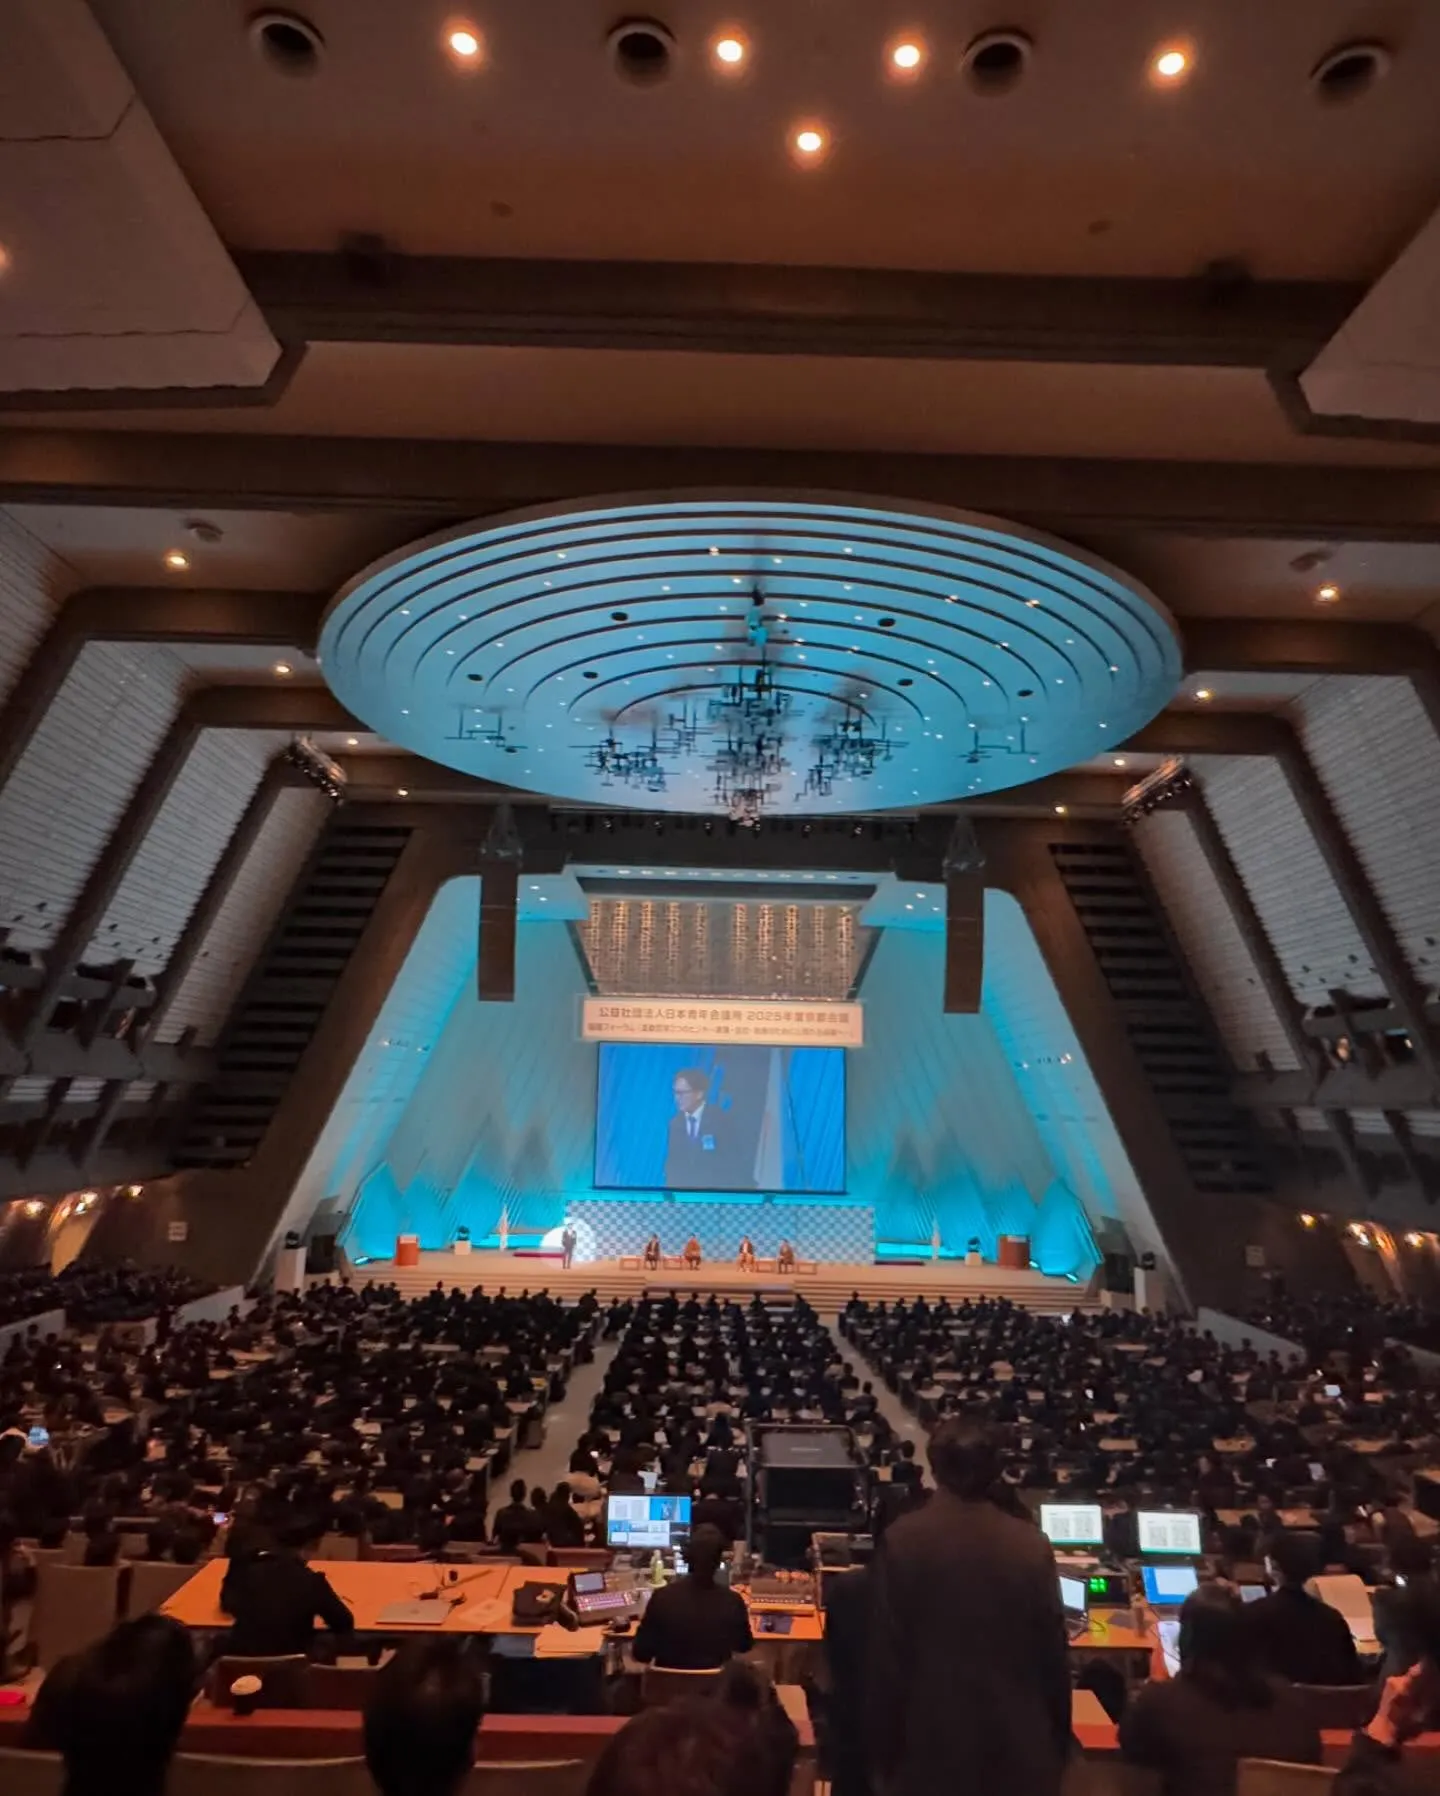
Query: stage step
827	1290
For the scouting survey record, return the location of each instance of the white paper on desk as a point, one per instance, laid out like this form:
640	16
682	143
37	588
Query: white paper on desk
1347	1593
555	1642
492	1615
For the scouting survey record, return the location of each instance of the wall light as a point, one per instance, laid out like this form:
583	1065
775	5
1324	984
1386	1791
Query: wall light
1061	810
176	560
1204	694
283	668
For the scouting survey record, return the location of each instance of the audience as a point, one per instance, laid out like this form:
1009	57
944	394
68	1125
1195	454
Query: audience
422	1719
1220	1708
736	1742
273	1597
694	1624
1296	1635
117	1711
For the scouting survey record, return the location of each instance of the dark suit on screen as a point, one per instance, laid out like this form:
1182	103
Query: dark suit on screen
691	1165
969	1663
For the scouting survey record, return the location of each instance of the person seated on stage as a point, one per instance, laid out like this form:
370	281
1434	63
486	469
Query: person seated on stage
273	1598
745	1259
785	1259
694	1624
651	1256
692	1258
423	1719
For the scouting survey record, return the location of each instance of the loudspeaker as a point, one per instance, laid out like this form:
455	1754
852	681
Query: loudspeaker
495	964
964	942
1120	1274
320	1256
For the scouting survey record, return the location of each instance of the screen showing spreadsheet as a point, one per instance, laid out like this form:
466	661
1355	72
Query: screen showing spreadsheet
1168	1531
1072	1524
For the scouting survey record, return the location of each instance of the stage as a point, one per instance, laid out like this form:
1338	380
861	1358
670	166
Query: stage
828	1286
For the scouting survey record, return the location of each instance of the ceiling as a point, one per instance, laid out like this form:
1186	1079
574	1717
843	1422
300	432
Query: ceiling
668	652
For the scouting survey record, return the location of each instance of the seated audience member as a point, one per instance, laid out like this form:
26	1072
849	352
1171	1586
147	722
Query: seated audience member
121	1708
847	1653
694	1624
1412	1562
905	1471
422	1720
1296	1635
1196	1727
516	1523
274	1597
560	1520
736	1742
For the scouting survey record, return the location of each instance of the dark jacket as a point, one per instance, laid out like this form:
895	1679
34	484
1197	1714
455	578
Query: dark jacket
1300	1638
1375	1770
274	1599
713	1161
969	1661
1196	1741
692	1627
849	1604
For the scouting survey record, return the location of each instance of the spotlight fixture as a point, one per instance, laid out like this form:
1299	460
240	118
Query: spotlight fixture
1171	64
463	43
730	52
316	767
1326	595
810	143
176	560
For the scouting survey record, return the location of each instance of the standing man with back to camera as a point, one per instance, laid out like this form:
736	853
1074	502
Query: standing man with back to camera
969	1673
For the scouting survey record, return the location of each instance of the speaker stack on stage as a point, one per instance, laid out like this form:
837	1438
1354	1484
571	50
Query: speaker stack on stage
804	1480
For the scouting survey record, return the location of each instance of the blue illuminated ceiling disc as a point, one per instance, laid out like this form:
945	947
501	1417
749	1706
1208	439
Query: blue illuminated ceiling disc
654	652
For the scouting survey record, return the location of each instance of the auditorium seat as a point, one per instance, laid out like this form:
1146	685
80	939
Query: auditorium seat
1269	1777
282	1680
199	1774
664	1683
75	1605
1109	1777
582	1558
153	1582
528	1777
1337	1705
347	1687
338	1547
31	1773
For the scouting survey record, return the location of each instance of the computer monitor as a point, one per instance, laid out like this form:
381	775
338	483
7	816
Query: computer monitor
1162	1532
1073	1524
1167	1586
646	1521
1072	1595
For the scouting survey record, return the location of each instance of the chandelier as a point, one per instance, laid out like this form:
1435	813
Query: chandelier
636	767
848	750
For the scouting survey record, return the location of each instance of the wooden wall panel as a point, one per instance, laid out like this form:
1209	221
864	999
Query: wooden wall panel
1223	969
34	582
1378	757
167	876
75	778
1303	913
247	916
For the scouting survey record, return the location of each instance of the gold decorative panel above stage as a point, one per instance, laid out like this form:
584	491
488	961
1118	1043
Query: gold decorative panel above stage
723	948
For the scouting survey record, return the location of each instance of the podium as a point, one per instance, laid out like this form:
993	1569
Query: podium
290	1269
407	1250
1013	1252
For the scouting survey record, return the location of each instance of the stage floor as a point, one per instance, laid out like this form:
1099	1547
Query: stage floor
827	1288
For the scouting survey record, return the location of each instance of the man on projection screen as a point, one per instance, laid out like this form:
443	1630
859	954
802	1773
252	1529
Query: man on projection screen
703	1152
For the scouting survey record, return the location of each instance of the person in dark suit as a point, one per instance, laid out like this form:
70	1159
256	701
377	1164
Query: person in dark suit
969	1660
849	1602
273	1599
703	1152
694	1624
1296	1635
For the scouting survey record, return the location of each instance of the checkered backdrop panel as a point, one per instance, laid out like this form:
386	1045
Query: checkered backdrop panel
843	1233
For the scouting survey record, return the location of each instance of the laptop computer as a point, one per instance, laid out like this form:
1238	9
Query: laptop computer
1167	1586
1072	1597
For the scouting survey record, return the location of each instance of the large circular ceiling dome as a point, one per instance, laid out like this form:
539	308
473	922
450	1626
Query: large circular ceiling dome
750	654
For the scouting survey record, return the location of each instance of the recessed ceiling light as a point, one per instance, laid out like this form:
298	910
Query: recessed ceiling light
4	259
352	742
1119	760
907	56
1061	809
283	667
463	43
1204	694
810	142
176	560
1172	64
1327	595
402	791
730	51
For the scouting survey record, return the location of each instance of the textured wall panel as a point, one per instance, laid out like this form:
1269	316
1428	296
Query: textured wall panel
1379	759
33	583
1298	902
713	947
168	875
247	915
1220	963
841	1233
75	778
1035	1033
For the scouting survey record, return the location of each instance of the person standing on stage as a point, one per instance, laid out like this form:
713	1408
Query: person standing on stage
969	1673
567	1246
